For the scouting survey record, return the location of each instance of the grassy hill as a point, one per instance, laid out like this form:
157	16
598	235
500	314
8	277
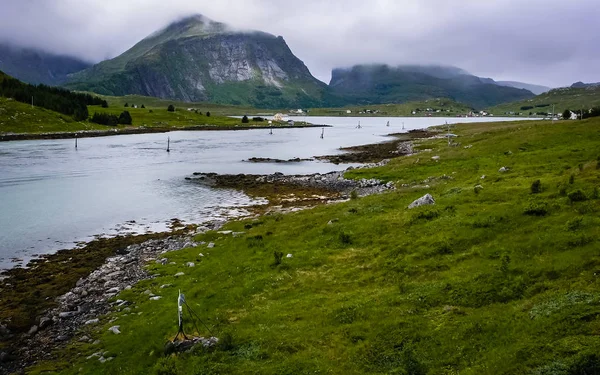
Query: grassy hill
446	107
495	278
563	98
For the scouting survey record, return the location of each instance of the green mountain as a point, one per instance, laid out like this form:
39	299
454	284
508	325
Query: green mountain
572	98
377	84
197	59
36	66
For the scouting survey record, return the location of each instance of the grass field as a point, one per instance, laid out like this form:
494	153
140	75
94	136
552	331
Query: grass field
562	98
16	117
446	107
498	277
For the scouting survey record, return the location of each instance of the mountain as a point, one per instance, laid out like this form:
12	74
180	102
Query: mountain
378	83
536	89
36	66
197	59
580	85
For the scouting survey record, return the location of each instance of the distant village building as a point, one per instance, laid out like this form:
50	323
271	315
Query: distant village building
348	111
278	117
573	116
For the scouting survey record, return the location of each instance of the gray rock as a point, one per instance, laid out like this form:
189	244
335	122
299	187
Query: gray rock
33	330
62	338
435	157
289	256
115	329
113	290
190	264
427	199
3	357
155	298
162	261
67	314
165	286
92	321
179	274
45	322
83	339
211	245
503	169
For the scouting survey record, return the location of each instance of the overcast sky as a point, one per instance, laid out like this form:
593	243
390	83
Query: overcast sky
548	42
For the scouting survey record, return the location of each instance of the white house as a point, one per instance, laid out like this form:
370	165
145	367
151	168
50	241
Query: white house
348	111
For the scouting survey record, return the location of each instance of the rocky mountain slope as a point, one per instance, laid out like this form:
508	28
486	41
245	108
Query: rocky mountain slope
36	66
197	59
376	84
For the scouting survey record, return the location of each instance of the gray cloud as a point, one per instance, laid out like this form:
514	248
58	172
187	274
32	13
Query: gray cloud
547	42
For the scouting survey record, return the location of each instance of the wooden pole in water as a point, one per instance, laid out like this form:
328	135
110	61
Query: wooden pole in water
168	144
322	132
75	141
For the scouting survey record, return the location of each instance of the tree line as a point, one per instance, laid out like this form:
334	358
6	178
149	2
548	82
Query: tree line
52	98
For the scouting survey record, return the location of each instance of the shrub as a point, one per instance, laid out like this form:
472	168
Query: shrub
536	187
170	108
125	118
572	179
353	194
427	215
105	119
577	196
595	193
143	106
207	114
126	105
575	224
104	104
278	256
245	120
345	238
536	209
258	119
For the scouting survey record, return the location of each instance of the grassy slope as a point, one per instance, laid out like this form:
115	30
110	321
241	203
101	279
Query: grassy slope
471	285
562	98
16	117
404	109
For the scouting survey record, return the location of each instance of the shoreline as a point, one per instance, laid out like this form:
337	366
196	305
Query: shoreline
6	137
39	317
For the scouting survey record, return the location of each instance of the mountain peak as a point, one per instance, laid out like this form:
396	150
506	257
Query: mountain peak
194	25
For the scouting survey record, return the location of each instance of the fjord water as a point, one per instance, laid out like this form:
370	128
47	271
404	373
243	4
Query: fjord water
53	195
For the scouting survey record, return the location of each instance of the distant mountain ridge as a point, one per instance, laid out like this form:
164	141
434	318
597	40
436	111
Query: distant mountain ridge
197	59
536	89
580	85
36	66
380	83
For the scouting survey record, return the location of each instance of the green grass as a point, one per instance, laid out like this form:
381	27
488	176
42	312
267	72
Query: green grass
471	285
563	98
447	107
16	117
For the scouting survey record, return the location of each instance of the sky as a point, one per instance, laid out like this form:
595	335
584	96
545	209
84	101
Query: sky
547	42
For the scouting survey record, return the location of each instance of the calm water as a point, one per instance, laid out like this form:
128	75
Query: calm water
52	195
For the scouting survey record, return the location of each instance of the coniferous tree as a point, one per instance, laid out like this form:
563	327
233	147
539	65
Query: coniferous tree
171	108
125	118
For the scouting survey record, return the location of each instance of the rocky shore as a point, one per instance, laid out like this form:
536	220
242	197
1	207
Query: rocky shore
88	303
116	267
